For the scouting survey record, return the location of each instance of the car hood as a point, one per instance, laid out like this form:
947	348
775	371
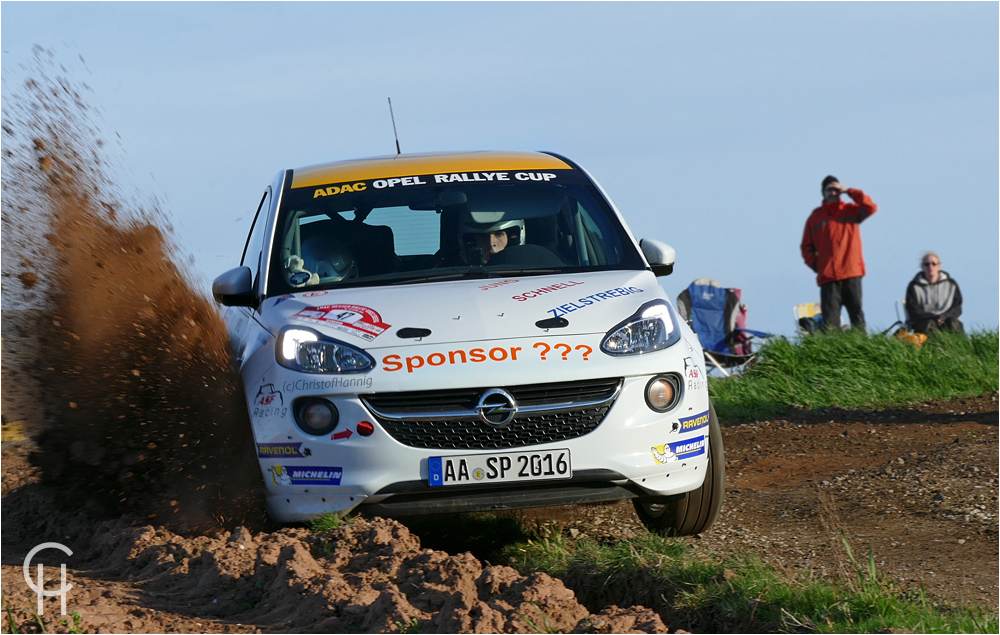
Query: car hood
466	310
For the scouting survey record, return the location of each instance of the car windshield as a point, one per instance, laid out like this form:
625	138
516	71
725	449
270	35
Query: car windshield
440	227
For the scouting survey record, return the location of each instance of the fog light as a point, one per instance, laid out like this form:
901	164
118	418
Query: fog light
365	429
316	416
663	392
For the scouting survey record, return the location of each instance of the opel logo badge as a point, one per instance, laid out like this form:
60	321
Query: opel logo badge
496	407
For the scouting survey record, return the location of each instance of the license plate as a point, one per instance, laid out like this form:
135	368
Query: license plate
499	468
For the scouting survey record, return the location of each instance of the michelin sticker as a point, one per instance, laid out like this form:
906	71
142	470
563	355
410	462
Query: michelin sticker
354	319
670	452
304	475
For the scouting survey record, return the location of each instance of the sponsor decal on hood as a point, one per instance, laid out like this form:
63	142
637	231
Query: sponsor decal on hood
473	313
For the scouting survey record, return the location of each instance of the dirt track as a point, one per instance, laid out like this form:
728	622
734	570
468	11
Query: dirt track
919	486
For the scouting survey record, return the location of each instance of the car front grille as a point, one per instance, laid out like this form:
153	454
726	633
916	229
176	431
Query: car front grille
447	419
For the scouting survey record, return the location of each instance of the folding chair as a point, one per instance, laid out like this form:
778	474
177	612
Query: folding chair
902	319
808	317
718	317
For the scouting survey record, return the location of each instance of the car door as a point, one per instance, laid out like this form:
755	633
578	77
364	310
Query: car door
240	318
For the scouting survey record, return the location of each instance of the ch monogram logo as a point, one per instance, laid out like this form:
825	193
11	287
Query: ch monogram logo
39	587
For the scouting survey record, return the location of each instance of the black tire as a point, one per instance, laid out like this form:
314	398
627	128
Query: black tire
693	512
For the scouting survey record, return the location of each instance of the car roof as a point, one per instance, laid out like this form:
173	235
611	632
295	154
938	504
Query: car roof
396	165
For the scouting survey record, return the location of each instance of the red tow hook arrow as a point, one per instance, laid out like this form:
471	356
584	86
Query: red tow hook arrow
343	434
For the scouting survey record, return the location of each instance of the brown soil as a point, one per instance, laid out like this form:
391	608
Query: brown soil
918	486
125	439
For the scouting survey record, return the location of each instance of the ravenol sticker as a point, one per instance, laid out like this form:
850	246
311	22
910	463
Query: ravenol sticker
305	475
350	318
694	422
275	450
670	452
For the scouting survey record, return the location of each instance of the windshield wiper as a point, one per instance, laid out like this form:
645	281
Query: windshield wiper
499	273
468	274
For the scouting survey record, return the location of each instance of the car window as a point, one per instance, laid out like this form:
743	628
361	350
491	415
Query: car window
393	231
255	241
413	234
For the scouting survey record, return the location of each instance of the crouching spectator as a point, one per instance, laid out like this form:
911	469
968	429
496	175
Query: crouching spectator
933	299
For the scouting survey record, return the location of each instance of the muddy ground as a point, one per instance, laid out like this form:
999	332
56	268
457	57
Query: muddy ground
919	486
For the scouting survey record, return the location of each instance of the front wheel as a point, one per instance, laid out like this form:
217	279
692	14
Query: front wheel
693	512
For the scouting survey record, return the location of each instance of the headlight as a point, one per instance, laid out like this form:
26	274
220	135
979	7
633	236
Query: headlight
653	327
309	352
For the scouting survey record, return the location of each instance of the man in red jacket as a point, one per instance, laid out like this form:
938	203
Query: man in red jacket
831	246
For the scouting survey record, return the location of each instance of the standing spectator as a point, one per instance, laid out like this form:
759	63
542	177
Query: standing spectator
933	299
831	246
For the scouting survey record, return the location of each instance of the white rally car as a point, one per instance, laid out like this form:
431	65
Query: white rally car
465	332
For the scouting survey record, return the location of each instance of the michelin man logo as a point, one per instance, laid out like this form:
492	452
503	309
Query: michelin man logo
280	475
662	453
39	587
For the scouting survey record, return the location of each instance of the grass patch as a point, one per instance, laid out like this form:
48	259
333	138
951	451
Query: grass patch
854	370
326	521
739	594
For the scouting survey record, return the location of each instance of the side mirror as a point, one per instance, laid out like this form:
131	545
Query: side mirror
659	255
235	288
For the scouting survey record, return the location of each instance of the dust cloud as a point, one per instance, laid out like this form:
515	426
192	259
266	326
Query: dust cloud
139	411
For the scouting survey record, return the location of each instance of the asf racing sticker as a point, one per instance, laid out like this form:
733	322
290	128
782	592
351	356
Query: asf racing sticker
268	396
349	318
305	475
678	450
695	378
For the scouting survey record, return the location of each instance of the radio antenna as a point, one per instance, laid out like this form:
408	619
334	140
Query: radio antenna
394	134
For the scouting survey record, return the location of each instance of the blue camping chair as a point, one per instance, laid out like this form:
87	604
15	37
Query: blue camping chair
718	317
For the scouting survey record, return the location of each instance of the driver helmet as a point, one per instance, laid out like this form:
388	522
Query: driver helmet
333	262
513	227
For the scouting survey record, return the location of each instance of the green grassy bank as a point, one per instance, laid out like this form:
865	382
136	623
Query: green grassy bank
740	594
852	370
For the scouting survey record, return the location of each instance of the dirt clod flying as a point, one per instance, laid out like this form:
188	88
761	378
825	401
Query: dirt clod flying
140	406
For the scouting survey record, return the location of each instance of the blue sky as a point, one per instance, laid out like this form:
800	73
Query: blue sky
710	125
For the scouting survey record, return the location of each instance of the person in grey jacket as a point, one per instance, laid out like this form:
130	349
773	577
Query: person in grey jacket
933	299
